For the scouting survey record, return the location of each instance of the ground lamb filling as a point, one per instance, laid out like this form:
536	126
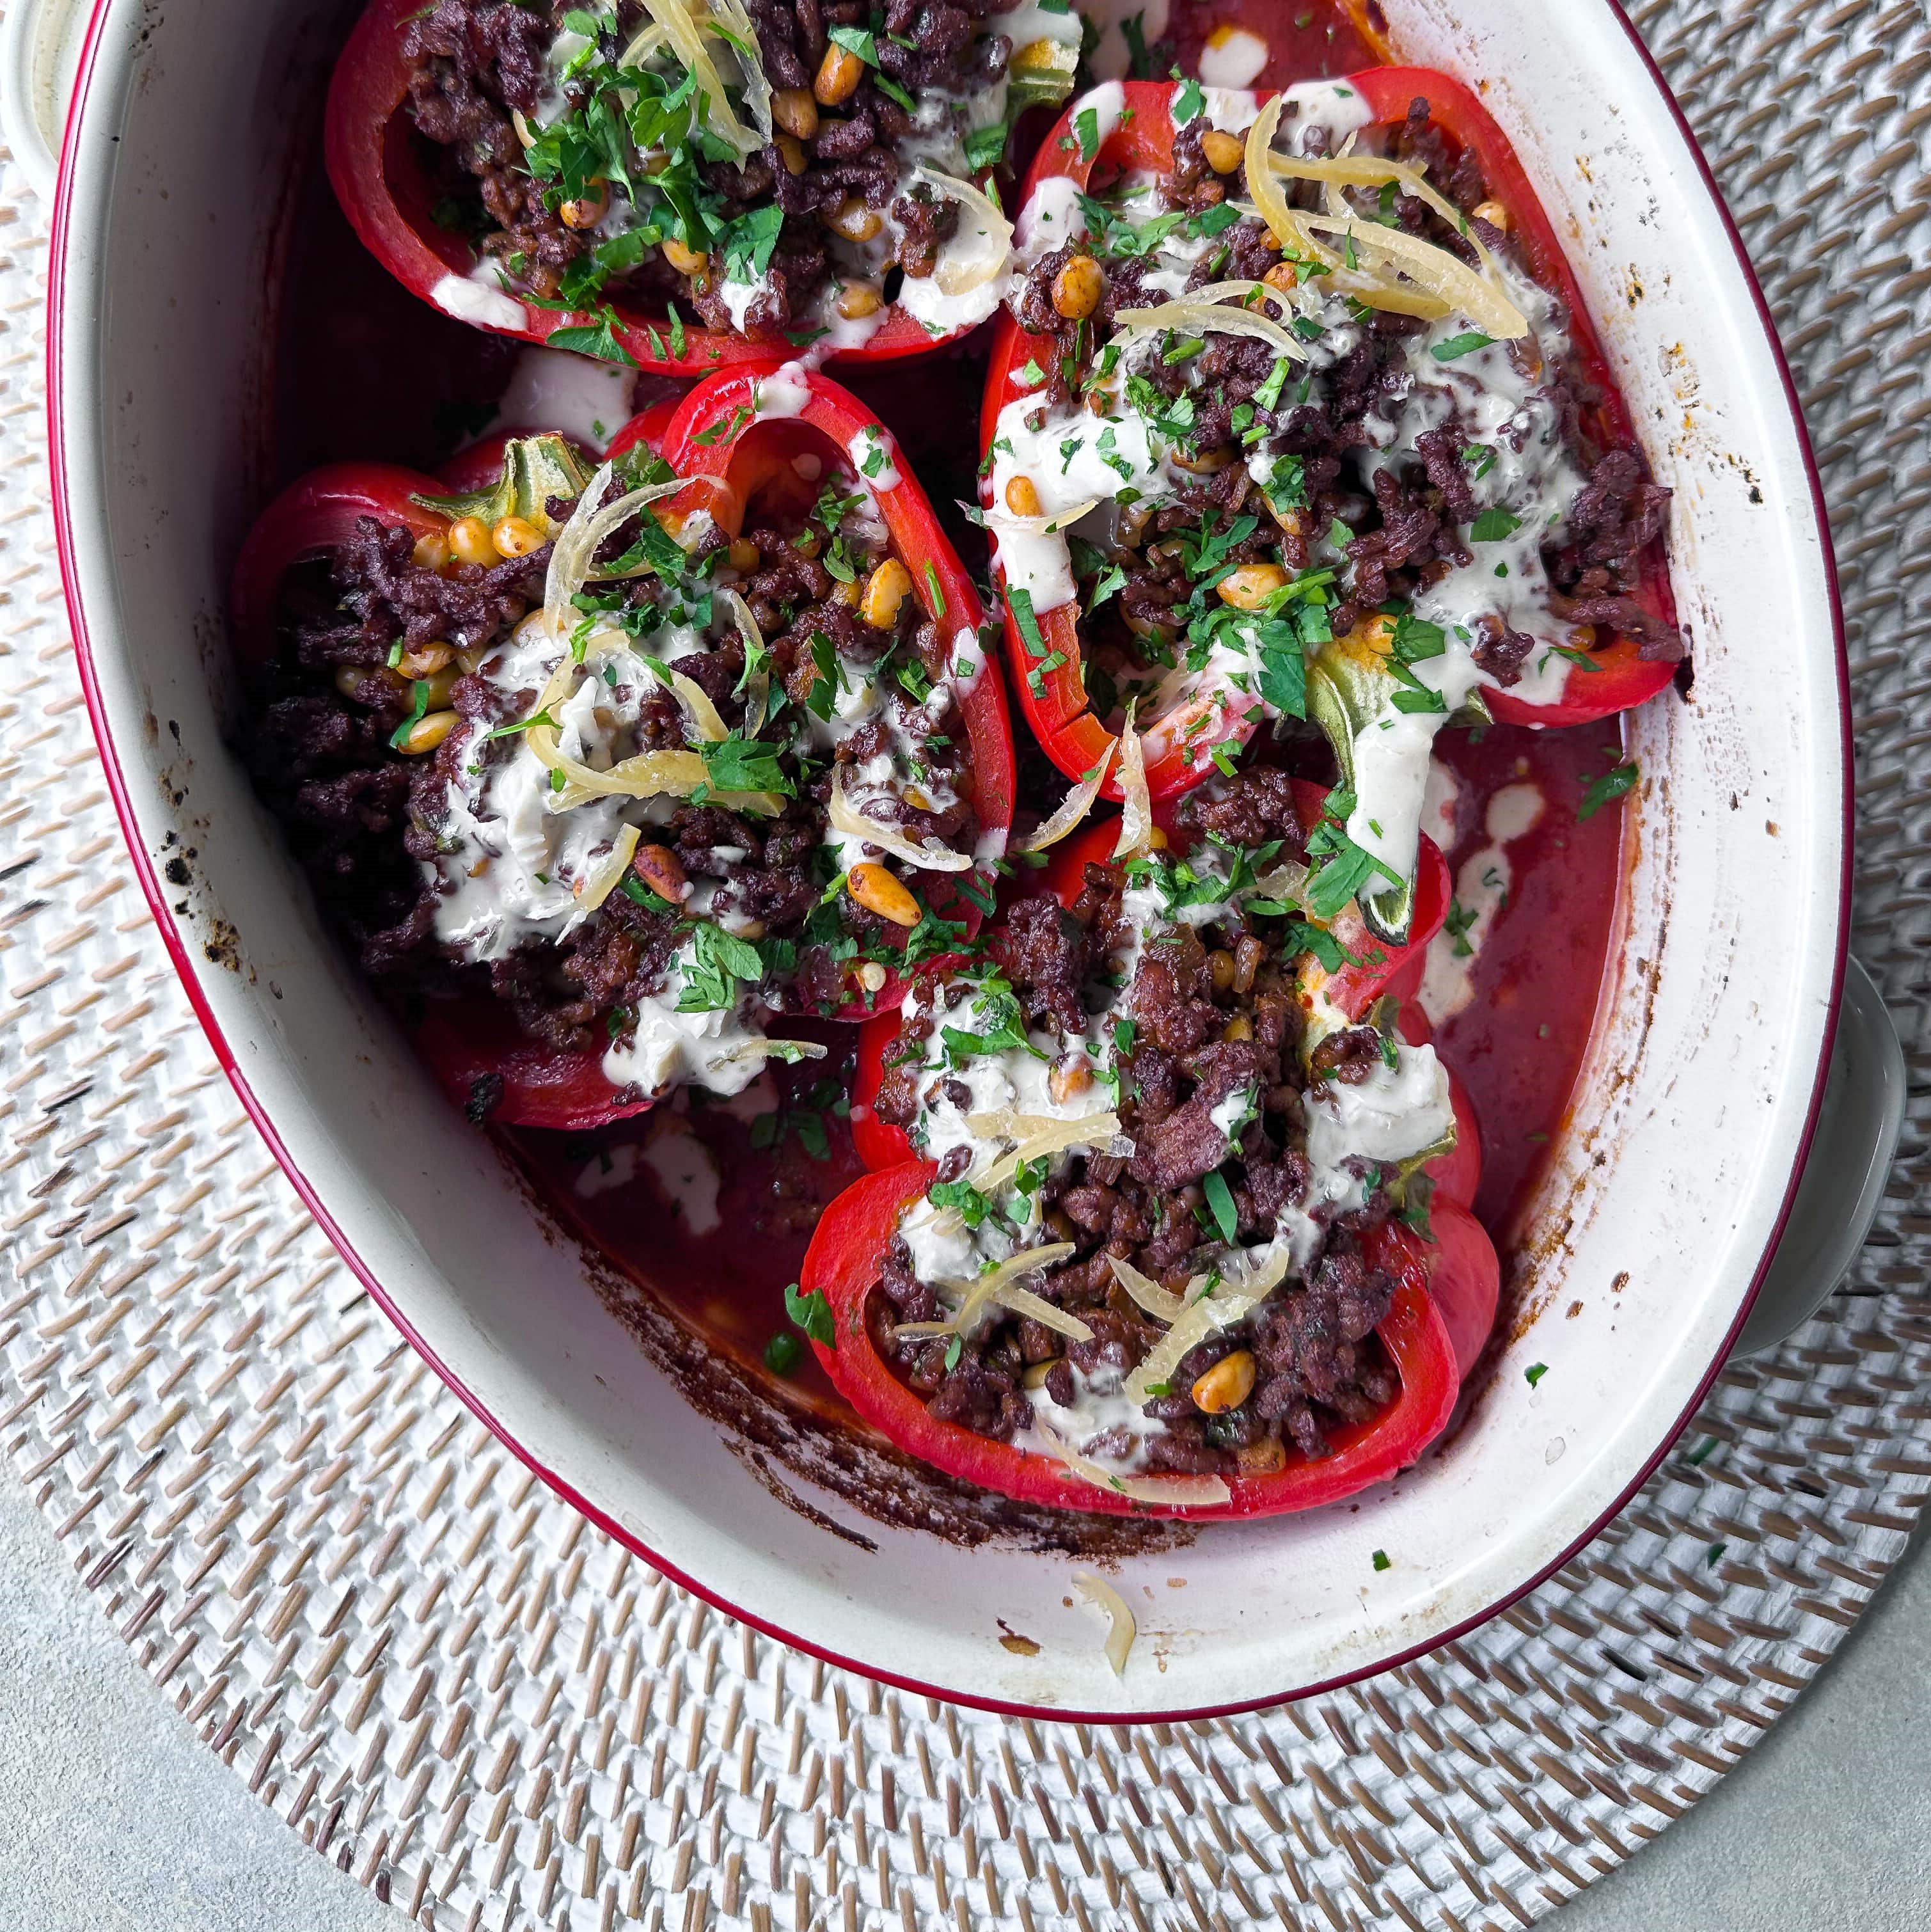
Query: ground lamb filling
806	207
1235	1121
1402	505
396	742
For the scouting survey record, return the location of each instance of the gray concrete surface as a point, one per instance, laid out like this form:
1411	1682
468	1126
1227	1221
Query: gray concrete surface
113	1817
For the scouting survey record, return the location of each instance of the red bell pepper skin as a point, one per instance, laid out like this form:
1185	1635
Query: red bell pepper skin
1466	1283
464	1041
1353	989
1057	710
842	1263
369	146
716	432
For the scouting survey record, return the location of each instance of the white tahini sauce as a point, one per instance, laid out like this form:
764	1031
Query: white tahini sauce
1482	885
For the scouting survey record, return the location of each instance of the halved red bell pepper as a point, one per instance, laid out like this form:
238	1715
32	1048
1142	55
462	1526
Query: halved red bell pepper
1352	991
843	1264
1056	707
749	426
377	170
482	1059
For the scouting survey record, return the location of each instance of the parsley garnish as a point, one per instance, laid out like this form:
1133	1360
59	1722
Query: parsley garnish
1611	784
1459	345
812	1313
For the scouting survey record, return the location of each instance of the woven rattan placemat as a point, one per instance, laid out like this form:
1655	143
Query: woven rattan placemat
450	1685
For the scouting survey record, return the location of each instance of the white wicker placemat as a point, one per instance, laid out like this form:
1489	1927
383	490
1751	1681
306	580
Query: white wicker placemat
450	1685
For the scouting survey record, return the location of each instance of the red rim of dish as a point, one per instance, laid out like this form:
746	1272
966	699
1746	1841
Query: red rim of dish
182	956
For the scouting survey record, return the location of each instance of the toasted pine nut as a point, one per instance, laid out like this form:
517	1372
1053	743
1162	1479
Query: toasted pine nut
1250	586
871	976
854	221
1034	1374
469	539
470	661
1204	462
428	731
1220	968
857	300
1078	288
424	661
1583	637
917	799
685	261
660	869
1069	1076
1022	497
587	210
516	536
790	150
885	589
1238	1028
839	73
744	558
431	552
877	891
1156	840
349	679
1222	151
847	594
1265	1458
1494	215
794	110
1227	1385
1284	276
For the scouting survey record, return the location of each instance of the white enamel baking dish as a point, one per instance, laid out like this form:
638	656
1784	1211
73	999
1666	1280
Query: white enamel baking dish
1669	1192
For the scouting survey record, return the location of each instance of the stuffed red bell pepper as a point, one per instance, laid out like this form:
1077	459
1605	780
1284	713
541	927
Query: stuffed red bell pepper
1356	457
680	186
1171	1244
573	804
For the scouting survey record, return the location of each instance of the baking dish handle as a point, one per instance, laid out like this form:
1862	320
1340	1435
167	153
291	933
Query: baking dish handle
40	53
1842	1184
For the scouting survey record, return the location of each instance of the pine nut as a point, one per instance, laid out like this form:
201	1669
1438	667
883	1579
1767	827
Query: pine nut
1284	276
794	110
431	552
1238	1027
1220	968
516	536
872	976
854	221
791	151
587	210
428	731
886	590
1069	1077
1267	1458
685	261
1494	215
1250	586
1227	1385
424	662
875	888
839	73
1022	498
857	300
1222	151
744	555
1078	288
660	868
469	539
